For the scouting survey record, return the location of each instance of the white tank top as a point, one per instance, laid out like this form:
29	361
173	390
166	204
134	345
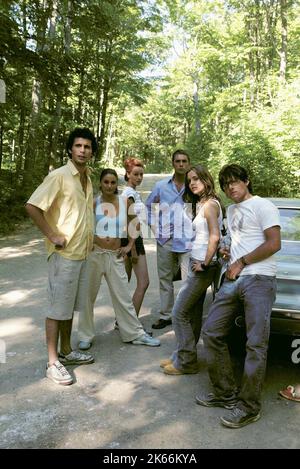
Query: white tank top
200	228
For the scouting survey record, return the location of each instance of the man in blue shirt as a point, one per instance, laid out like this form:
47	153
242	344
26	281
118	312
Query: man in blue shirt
173	232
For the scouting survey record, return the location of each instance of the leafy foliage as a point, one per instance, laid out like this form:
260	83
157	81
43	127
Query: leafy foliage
218	78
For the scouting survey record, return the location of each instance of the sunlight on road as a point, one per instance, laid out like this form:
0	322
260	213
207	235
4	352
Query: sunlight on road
11	327
9	253
13	297
24	250
108	391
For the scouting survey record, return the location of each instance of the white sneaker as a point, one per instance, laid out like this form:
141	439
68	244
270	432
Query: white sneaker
146	340
58	373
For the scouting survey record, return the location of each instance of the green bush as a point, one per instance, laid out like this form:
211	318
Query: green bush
271	174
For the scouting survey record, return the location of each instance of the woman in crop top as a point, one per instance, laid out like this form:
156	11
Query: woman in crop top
136	260
107	259
205	209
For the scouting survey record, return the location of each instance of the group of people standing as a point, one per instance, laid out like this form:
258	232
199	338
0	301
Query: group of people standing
88	239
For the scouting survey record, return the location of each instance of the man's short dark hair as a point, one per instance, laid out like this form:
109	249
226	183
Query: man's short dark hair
81	132
180	152
233	172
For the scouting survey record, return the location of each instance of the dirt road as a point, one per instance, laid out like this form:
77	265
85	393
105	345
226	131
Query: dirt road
123	400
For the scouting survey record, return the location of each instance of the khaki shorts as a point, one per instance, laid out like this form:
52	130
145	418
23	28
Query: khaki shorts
67	286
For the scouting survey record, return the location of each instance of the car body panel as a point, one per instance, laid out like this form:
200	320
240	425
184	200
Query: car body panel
285	317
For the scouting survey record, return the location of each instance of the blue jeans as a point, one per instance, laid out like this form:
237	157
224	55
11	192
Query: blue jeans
187	316
256	294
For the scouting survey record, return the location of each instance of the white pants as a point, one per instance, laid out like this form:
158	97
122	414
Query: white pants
103	262
167	262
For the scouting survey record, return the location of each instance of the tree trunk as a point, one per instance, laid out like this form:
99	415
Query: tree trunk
271	10
34	136
21	132
68	28
283	50
78	113
196	109
105	92
99	101
251	64
110	144
53	137
53	20
51	157
1	145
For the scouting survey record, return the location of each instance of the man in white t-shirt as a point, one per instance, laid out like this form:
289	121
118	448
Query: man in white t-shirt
250	283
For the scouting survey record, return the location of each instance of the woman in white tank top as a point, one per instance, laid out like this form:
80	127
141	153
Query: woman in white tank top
204	206
136	259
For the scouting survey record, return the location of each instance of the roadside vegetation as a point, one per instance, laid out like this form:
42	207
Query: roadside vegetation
218	78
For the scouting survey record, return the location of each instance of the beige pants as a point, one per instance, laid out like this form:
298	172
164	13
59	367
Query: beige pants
167	262
103	262
67	286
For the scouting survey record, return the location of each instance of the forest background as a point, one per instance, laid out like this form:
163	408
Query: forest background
218	78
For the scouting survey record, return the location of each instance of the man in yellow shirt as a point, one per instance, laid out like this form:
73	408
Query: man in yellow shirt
62	208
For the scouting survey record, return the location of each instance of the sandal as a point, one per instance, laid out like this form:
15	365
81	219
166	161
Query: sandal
291	392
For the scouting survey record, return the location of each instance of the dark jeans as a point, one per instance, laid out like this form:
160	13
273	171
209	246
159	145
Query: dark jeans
187	316
256	293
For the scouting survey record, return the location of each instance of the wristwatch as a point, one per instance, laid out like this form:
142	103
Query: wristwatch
243	261
204	266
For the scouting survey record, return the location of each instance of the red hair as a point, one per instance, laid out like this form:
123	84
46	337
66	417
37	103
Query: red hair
130	163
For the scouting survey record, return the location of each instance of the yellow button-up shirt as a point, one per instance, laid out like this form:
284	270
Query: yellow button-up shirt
68	210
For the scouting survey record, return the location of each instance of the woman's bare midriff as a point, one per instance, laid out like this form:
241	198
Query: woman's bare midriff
108	243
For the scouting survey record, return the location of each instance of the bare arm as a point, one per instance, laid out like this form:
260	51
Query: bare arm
134	225
211	213
37	215
132	228
271	245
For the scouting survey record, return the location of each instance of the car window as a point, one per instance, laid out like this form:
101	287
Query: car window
290	231
290	224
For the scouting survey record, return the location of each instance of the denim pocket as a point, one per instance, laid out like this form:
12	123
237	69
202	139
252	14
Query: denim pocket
267	280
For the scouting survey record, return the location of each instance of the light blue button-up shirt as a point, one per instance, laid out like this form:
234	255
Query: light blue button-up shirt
167	217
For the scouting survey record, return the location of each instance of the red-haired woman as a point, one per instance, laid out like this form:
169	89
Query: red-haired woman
137	258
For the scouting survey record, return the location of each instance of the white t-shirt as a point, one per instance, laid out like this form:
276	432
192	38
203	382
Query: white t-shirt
246	224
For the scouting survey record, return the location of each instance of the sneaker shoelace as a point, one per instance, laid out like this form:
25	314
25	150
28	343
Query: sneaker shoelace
73	355
62	369
81	356
237	412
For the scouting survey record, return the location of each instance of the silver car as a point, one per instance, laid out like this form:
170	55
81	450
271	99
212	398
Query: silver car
285	317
